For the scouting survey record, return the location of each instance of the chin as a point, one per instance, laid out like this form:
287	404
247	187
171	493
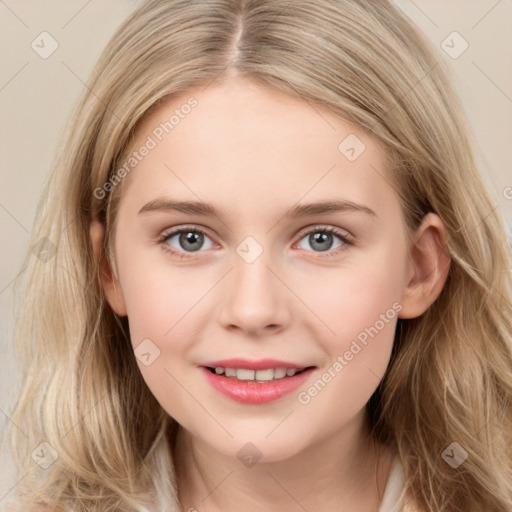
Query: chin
256	447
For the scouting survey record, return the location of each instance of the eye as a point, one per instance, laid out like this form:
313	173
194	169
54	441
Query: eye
324	239
185	240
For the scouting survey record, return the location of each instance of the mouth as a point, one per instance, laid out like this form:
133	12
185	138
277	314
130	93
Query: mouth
263	382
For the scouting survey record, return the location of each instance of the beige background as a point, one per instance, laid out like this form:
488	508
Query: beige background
36	96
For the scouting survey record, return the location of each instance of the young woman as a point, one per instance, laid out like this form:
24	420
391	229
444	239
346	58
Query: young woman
277	281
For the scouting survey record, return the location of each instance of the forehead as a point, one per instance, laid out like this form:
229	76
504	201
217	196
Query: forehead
244	141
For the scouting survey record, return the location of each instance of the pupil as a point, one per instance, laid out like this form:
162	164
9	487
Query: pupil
191	241
321	241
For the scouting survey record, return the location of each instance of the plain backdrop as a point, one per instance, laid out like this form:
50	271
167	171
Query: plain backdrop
37	95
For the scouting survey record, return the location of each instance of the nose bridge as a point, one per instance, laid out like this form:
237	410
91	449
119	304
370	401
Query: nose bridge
254	299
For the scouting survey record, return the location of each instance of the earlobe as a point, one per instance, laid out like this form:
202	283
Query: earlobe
428	269
109	281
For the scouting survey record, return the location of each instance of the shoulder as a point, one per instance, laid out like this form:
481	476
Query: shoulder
396	498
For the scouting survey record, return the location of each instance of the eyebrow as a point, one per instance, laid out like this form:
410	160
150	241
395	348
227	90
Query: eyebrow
300	210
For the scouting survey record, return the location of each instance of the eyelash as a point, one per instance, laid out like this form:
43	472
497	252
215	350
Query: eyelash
347	241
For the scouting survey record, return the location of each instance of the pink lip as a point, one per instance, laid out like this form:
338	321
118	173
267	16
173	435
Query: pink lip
262	364
250	392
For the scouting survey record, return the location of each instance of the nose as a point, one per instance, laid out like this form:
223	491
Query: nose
254	300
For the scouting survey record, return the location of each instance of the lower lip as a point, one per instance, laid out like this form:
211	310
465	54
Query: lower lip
251	392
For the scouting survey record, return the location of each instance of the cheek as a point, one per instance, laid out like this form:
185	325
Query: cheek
360	306
160	298
163	305
355	297
358	356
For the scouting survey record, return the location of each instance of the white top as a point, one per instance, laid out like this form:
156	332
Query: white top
392	501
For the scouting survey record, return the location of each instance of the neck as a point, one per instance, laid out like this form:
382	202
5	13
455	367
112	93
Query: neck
348	470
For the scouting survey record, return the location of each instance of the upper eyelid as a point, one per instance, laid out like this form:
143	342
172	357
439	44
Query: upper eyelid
168	233
326	227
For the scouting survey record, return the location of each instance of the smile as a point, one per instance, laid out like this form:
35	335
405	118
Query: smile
266	381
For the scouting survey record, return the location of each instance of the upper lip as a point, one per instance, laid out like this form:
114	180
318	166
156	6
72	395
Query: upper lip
262	364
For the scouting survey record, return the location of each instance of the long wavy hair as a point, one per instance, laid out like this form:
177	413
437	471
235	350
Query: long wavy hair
450	375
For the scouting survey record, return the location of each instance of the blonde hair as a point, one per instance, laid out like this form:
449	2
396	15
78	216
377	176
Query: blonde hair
450	376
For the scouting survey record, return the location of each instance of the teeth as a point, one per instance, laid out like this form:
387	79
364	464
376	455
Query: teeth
245	374
279	373
264	374
259	375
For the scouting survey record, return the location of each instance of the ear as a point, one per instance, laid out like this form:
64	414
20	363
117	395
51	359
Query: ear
109	281
428	267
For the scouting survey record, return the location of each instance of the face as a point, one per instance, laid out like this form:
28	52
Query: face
253	274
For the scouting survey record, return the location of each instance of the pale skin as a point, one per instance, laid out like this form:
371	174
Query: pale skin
253	153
